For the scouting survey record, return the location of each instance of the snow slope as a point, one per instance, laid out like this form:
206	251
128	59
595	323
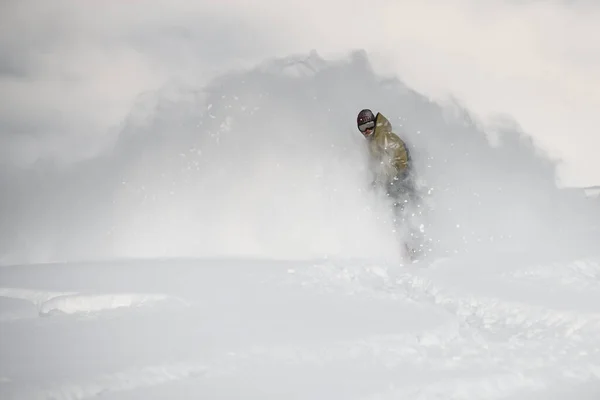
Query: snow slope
267	329
235	253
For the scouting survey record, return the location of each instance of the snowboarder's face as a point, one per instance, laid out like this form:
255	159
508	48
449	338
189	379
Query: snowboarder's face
367	128
368	132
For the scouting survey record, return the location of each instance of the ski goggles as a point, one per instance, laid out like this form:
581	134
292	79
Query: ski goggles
366	125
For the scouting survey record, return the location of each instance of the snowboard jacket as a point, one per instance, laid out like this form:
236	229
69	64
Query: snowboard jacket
389	154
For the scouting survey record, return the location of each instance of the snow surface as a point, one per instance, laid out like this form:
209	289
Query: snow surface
232	250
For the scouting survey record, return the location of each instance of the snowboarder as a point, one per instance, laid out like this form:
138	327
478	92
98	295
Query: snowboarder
391	166
391	163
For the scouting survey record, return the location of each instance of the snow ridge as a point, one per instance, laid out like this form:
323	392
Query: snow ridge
48	302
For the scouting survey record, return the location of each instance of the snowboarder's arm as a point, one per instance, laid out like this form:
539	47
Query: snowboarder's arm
399	154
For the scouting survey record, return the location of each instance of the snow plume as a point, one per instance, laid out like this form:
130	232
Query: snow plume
258	163
267	162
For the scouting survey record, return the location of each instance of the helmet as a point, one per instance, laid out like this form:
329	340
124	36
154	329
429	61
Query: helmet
365	120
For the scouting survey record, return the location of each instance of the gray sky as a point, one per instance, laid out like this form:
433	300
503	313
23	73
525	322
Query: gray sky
69	71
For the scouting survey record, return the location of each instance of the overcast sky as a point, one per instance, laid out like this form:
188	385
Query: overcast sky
70	70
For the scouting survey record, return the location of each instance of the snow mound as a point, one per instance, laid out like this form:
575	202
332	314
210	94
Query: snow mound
73	304
37	297
76	303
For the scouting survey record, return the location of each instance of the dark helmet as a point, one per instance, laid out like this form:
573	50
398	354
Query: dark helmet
365	120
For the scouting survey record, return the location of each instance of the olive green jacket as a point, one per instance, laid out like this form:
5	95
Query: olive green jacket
389	154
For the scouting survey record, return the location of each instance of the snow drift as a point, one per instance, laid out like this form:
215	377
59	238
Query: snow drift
268	163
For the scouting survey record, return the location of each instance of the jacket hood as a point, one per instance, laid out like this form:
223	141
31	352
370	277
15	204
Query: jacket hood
382	124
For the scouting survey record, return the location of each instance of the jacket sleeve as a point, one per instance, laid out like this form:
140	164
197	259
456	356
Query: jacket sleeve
398	153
